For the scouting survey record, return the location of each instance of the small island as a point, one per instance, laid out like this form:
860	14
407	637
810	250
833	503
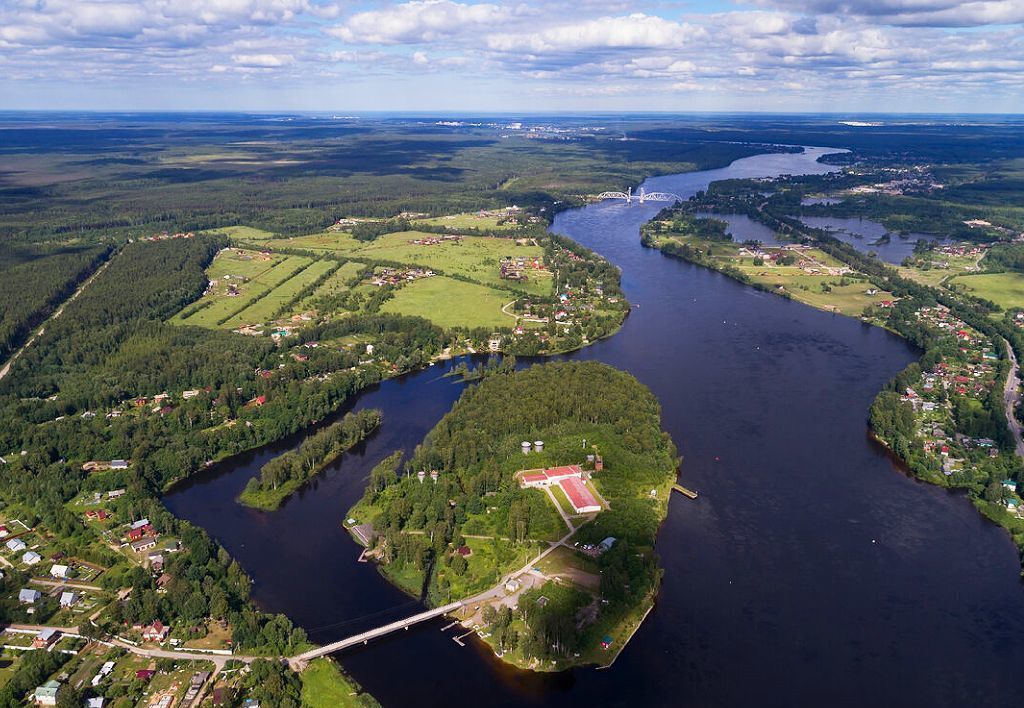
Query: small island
284	474
535	501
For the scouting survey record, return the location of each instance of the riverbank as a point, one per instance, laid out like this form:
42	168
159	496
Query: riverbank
949	416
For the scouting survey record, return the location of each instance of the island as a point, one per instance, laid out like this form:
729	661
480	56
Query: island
535	502
283	475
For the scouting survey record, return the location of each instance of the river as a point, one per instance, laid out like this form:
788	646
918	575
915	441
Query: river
810	571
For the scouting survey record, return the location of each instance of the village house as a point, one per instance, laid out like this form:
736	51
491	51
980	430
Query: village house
60	572
16	545
68	599
31	558
29	596
45	638
155	632
46	695
143	544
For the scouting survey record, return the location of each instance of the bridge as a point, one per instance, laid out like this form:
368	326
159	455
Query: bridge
641	196
300	660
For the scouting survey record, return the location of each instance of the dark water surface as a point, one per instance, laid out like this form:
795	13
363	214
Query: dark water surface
863	235
810	572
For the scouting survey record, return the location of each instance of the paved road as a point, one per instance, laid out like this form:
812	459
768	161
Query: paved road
1011	395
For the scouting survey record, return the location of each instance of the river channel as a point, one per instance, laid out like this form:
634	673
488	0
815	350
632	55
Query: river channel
810	572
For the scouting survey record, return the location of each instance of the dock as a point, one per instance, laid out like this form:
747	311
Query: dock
684	491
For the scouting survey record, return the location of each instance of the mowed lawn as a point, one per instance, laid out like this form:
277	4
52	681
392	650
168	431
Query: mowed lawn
476	257
451	303
1004	289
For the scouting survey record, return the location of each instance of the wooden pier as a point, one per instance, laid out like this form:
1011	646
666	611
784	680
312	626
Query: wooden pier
684	491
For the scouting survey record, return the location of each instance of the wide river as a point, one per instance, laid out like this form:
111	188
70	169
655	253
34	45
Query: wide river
810	572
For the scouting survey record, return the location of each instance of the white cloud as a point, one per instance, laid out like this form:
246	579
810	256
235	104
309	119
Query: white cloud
263	61
629	32
419	21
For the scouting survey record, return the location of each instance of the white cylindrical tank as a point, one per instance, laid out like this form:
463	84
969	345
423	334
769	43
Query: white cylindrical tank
538	445
526	447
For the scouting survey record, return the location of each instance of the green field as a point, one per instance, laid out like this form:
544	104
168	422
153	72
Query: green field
475	257
1004	289
337	283
472	220
267	307
256	279
325	686
452	303
241	232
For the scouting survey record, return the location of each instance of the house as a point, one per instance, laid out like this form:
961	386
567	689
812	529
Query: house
97	702
156	561
62	572
119	464
163	580
512	585
45	638
143	544
46	695
68	599
145	674
606	545
607	641
115	493
156	632
4	532
1009	485
16	545
464	551
31	558
29	596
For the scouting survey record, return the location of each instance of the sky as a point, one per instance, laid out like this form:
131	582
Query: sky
522	56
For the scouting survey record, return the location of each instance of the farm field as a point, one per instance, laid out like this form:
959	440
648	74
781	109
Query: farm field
336	283
1004	289
268	306
452	303
475	257
241	232
251	276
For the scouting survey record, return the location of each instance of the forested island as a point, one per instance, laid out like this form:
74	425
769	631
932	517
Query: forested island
458	520
284	474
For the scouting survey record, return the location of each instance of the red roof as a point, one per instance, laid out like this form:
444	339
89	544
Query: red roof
534	477
464	551
144	674
556	473
579	496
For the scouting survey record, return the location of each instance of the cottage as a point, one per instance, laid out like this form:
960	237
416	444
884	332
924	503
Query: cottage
156	632
69	599
143	544
606	545
512	585
145	674
29	596
16	545
119	464
45	638
46	695
60	572
31	558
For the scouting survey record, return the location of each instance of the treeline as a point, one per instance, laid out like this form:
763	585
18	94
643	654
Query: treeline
30	291
282	475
